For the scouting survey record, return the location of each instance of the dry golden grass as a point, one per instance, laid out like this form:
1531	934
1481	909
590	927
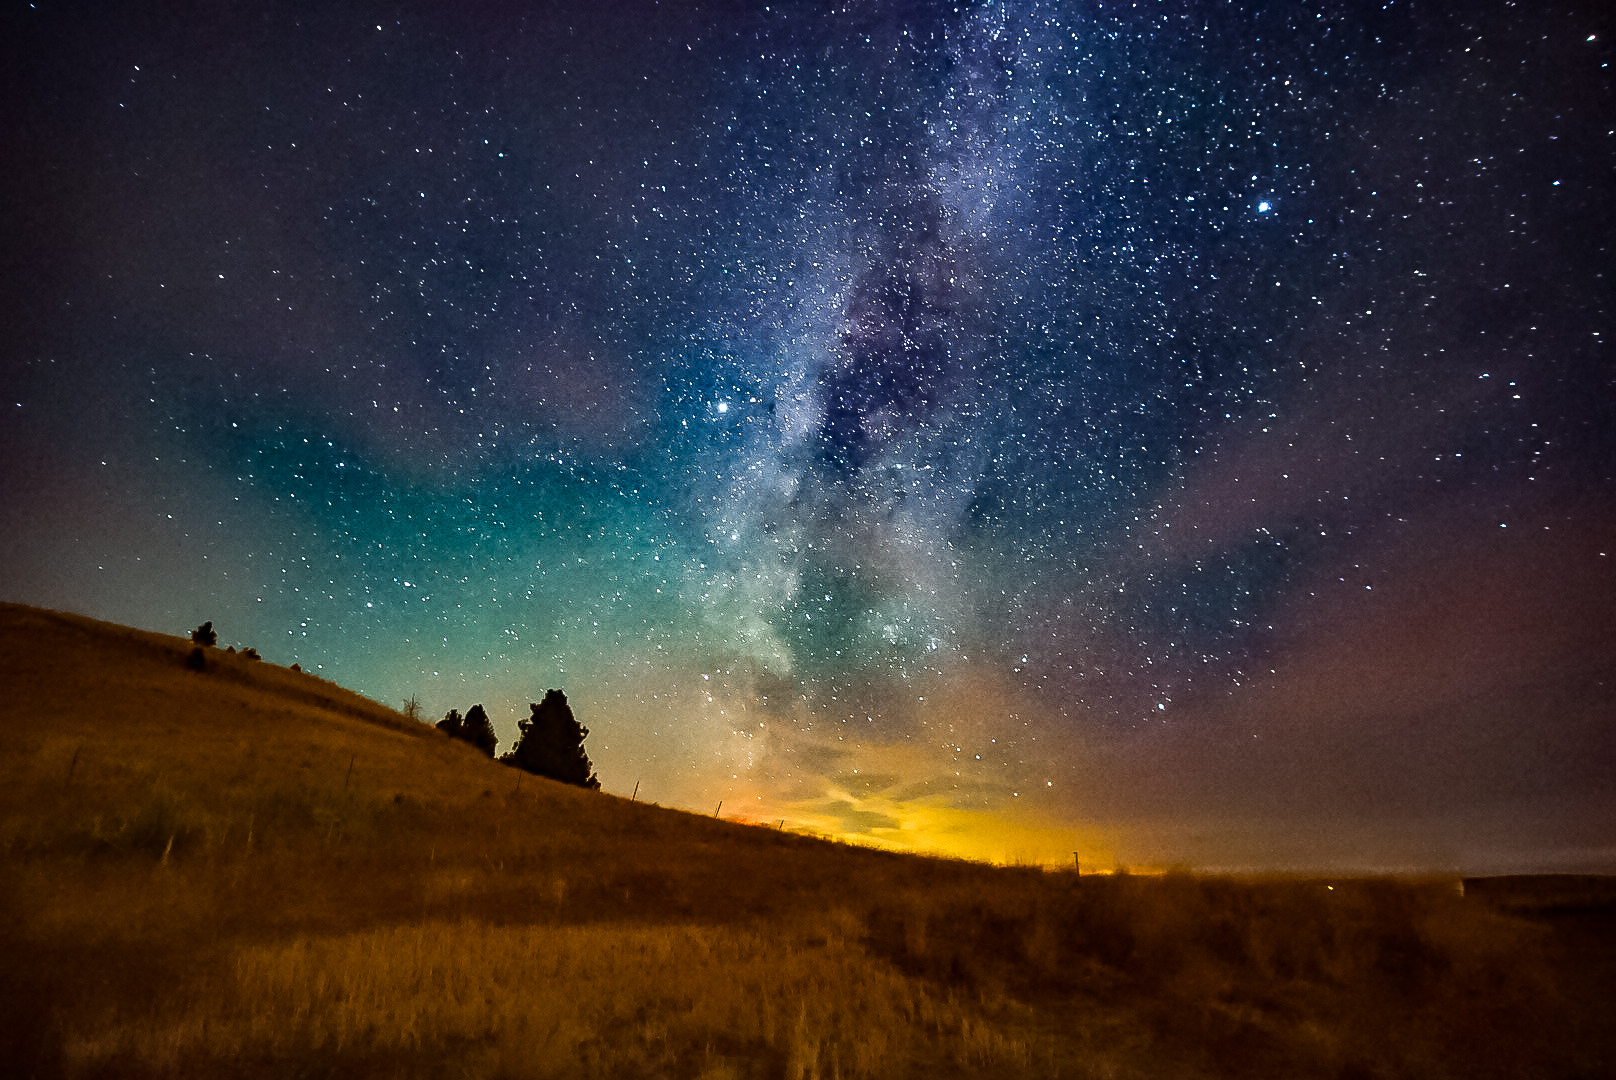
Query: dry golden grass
541	1001
251	872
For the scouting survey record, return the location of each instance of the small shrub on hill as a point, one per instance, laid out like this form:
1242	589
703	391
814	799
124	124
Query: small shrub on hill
205	635
452	724
473	728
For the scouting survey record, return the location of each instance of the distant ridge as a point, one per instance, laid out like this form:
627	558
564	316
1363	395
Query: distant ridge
22	626
109	703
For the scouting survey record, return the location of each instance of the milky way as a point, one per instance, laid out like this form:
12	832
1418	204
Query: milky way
1179	433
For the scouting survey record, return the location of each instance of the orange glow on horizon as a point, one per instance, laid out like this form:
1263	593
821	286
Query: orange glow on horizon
929	826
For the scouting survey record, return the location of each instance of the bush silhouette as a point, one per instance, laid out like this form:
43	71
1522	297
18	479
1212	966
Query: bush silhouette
204	635
452	724
552	744
473	728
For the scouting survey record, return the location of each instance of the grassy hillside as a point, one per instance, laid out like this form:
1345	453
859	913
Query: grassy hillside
250	871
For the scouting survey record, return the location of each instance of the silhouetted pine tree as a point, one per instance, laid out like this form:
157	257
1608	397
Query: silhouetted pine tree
205	635
552	744
478	731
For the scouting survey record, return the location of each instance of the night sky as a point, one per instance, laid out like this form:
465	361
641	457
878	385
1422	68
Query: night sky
1179	433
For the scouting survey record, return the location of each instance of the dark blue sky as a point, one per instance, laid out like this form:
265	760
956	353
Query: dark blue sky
1177	431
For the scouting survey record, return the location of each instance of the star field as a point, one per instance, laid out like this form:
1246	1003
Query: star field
1177	433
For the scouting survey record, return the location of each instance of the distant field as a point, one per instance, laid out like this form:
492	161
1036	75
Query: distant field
248	871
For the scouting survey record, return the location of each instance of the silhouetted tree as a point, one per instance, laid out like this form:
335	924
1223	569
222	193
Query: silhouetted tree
478	731
452	725
473	728
552	744
204	635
